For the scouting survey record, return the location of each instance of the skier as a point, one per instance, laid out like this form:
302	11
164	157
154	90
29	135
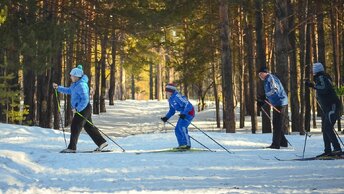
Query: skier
80	103
275	95
177	102
330	106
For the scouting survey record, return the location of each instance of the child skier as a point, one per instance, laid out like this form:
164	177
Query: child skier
80	103
177	102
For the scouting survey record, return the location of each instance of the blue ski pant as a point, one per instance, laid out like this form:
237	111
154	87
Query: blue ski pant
181	131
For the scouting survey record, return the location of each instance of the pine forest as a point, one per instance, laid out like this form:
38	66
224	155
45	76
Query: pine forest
130	49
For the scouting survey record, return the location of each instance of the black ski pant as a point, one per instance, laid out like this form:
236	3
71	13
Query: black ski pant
278	138
78	122
327	125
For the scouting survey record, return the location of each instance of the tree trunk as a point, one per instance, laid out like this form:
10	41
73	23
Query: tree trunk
217	105
282	48
242	69
113	70
151	81
227	68
29	91
335	45
2	107
132	86
56	78
321	34
294	100
315	58
248	39
158	82
214	68
44	99
261	62
309	52
303	6
216	95
96	100
122	78
103	73
87	68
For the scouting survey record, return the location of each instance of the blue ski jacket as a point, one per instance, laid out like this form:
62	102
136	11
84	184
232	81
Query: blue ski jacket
274	91
79	91
177	102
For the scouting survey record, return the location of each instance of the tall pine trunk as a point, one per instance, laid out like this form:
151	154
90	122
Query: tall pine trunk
294	100
227	68
248	39
261	62
282	49
335	46
113	69
132	86
56	78
151	81
103	75
122	78
308	60
158	82
242	69
96	107
302	5
29	91
44	99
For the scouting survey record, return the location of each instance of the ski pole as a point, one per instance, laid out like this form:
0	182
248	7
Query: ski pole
330	121
304	145
61	122
193	138
306	133
267	102
211	138
99	130
261	108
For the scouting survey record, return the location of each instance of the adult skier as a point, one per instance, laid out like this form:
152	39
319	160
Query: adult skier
274	94
330	106
80	103
180	103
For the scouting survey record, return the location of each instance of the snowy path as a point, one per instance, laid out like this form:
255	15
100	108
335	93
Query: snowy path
30	162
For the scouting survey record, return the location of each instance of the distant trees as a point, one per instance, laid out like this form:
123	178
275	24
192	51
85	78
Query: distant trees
131	49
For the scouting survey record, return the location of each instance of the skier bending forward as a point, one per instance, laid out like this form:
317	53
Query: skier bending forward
180	103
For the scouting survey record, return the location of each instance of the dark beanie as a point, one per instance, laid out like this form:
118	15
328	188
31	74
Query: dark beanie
263	69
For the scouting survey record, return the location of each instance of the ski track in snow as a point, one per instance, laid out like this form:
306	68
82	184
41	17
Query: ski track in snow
30	162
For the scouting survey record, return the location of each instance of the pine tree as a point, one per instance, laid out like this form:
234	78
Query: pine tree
10	96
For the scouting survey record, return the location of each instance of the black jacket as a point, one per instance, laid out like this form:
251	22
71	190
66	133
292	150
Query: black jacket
326	94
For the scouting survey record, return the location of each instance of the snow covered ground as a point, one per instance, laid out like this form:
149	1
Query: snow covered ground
30	162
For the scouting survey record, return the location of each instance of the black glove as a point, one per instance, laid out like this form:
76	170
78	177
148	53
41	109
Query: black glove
309	84
164	119
261	101
182	116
